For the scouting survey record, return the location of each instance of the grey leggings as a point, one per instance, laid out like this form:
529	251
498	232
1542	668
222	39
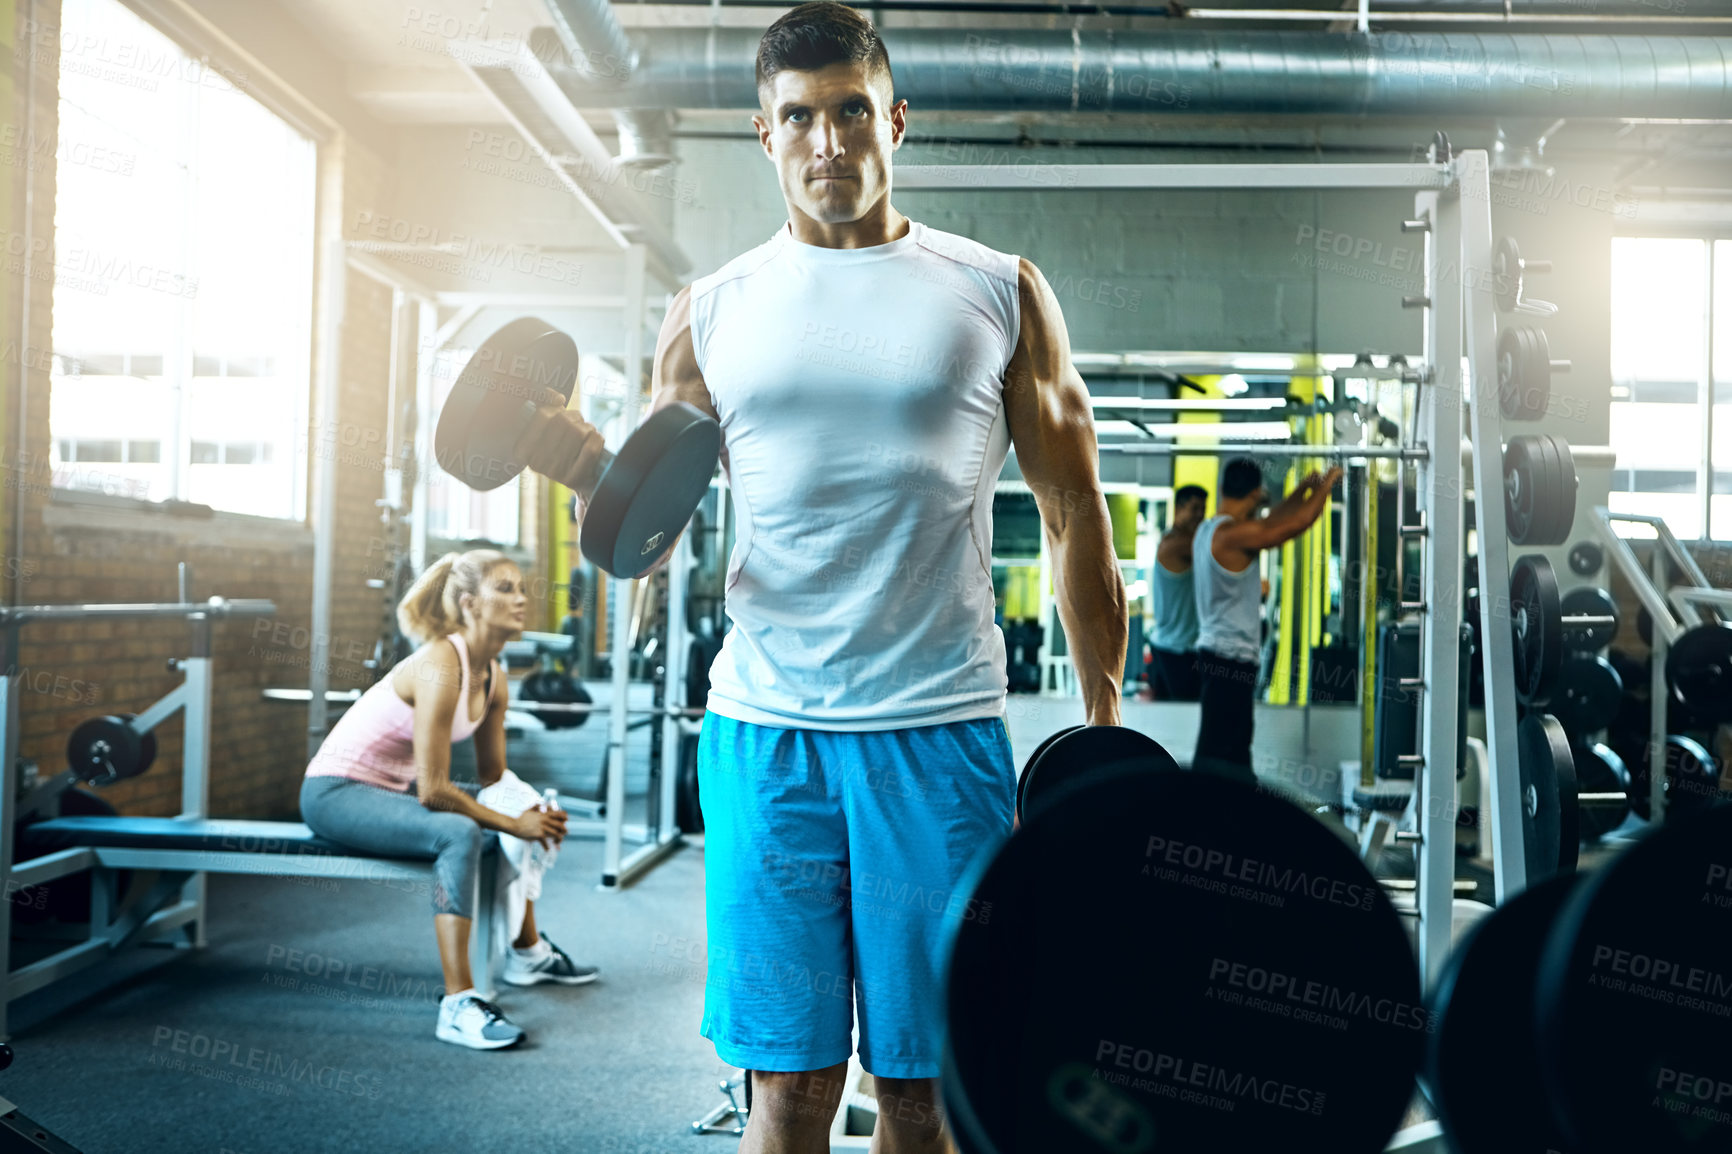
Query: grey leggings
391	824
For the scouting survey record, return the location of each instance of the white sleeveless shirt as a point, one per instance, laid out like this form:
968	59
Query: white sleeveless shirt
860	396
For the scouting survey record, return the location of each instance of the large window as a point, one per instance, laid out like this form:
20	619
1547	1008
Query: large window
1666	293
182	276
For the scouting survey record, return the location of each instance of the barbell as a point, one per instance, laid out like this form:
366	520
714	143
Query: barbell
637	500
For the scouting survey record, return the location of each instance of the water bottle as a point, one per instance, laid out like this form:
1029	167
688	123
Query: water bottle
539	854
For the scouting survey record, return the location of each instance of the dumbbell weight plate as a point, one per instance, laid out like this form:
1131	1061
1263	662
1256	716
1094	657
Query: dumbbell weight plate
491	403
1633	1006
1587	694
1600	770
104	750
1536	626
1590	601
1080	753
552	688
1586	558
1028	765
1692	779
1699	670
1481	1067
1551	826
1135	921
651	489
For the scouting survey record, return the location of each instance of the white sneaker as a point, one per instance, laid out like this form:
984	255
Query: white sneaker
476	1023
551	964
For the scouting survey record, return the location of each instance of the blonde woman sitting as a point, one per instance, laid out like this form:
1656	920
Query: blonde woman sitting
381	781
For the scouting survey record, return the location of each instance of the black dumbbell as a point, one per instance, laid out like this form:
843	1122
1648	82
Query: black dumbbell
638	500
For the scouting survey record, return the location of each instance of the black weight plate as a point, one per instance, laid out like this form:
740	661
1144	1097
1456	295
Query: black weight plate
549	688
104	750
1551	828
1634	1001
1511	363
1481	1068
1586	559
1559	495
1699	670
1600	770
1028	765
1178	961
1082	753
1692	779
1536	626
1520	487
1506	269
651	490
1536	391
146	743
492	400
1589	601
1587	695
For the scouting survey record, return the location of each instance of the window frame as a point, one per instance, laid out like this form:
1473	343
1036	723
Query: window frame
1709	234
195	35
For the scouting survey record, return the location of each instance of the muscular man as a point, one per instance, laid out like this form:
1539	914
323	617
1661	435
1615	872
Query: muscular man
1174	646
870	375
1229	596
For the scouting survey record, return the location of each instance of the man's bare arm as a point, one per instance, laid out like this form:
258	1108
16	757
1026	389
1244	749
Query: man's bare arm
674	376
1286	521
1052	426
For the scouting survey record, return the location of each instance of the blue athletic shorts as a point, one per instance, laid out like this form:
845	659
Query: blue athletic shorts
833	873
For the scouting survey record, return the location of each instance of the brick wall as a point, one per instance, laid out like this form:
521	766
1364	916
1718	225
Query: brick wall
78	550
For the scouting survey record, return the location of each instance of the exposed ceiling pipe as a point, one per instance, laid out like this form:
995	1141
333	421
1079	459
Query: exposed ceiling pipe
1233	73
1385	14
596	48
1663	12
1579	9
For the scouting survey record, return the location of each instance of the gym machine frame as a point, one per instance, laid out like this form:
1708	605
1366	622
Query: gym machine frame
1672	612
107	935
1456	385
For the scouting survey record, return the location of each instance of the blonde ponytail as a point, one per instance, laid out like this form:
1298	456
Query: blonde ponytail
433	606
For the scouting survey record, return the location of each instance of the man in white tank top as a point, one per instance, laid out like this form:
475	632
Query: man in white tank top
870	375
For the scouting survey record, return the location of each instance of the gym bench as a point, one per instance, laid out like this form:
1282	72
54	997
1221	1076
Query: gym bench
182	849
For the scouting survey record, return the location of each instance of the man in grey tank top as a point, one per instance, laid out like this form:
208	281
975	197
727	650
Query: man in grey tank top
1173	649
1229	598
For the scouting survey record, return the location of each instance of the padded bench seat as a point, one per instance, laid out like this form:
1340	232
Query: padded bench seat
204	835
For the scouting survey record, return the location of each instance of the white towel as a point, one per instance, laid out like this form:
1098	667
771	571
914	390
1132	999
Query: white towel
519	875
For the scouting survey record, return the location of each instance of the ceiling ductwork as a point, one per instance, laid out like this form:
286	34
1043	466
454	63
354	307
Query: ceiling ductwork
1201	72
587	44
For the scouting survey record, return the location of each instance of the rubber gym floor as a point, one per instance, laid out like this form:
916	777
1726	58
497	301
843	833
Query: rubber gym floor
278	1037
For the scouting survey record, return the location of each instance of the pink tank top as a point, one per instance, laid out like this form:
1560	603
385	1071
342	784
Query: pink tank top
374	742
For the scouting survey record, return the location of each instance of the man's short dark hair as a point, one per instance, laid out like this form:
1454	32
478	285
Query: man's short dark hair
811	36
1240	478
1186	493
